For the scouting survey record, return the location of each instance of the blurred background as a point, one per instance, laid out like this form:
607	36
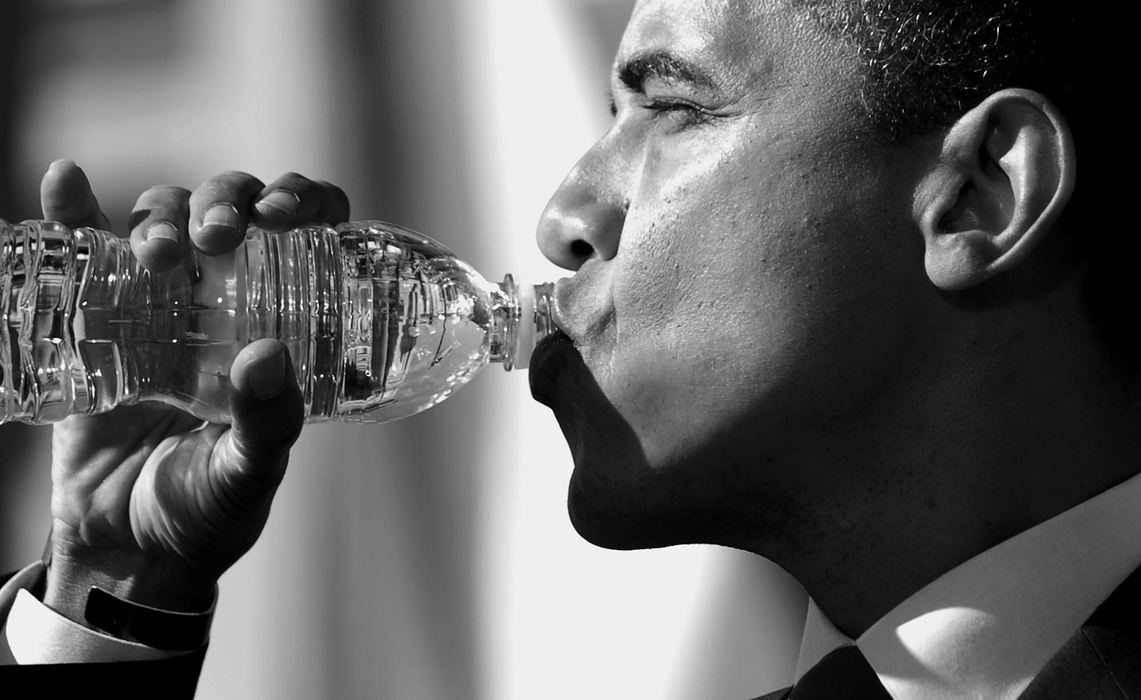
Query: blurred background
431	558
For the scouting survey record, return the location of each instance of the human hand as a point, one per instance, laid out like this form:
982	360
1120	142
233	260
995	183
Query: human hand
147	502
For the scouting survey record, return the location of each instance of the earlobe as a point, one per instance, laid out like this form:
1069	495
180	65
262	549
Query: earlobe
1004	176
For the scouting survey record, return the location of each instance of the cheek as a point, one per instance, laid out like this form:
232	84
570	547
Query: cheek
692	330
675	235
738	310
705	240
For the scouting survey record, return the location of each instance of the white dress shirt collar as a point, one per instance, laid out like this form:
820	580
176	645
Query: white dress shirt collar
988	626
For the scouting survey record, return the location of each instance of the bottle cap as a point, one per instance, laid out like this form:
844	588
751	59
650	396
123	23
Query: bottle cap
525	331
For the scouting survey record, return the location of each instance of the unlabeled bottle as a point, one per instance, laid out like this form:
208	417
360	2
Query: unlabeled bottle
381	322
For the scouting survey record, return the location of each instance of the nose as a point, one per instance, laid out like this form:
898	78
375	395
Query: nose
584	218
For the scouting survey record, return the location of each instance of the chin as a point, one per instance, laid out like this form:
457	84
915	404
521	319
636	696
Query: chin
610	529
618	498
625	517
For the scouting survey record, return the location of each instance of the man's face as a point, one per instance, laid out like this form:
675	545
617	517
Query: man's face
743	271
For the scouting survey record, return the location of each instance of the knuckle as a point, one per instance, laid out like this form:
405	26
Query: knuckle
292	182
336	198
333	192
172	193
292	176
160	201
226	184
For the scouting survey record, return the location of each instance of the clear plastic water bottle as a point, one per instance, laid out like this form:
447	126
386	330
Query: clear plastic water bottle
381	322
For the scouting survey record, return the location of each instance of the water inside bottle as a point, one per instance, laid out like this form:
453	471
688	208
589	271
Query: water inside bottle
378	328
420	323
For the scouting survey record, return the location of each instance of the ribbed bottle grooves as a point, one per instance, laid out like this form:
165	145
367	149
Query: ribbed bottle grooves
43	380
295	283
381	322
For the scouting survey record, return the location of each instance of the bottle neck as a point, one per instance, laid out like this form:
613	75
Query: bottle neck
521	318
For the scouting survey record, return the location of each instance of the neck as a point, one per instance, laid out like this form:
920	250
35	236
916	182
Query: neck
990	453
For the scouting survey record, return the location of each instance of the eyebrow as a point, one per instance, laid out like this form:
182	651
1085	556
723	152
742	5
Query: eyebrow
662	65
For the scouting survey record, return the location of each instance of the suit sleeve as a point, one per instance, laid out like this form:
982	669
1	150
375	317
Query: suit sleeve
174	677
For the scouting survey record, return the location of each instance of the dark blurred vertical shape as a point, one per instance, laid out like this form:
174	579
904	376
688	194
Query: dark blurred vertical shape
11	25
408	150
25	26
10	436
21	446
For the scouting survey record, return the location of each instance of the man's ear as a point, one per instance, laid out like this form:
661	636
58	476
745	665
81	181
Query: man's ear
1004	176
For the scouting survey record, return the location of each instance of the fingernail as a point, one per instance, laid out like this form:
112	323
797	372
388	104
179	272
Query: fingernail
266	377
162	230
279	202
222	216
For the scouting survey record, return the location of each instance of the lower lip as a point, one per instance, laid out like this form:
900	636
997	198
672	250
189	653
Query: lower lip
551	353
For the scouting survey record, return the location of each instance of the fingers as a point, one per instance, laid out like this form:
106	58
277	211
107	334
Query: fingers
220	211
267	411
294	200
66	197
158	227
214	217
223	206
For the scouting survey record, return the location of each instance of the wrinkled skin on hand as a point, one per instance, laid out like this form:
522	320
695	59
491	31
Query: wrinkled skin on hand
148	502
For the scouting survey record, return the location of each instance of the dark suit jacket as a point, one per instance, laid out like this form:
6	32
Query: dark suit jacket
1102	661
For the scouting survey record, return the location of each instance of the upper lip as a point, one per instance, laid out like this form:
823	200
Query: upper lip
581	304
558	298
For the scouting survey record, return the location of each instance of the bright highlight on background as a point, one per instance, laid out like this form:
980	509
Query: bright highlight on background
564	619
430	559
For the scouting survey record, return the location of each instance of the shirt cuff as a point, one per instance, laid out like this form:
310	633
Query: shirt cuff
39	635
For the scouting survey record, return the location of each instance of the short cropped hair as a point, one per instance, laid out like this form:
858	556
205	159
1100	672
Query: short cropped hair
927	62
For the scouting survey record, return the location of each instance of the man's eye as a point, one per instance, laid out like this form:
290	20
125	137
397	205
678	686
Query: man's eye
680	109
675	108
670	105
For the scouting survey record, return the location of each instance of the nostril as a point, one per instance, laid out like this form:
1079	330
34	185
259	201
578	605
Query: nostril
580	249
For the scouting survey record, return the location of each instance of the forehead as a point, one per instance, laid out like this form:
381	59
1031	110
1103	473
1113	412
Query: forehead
736	38
689	20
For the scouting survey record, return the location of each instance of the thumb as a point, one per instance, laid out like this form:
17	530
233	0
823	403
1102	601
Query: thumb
267	409
66	196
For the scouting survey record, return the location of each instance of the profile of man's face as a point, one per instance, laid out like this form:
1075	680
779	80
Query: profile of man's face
745	277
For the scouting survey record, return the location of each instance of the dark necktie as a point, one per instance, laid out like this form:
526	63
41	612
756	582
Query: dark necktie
844	674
